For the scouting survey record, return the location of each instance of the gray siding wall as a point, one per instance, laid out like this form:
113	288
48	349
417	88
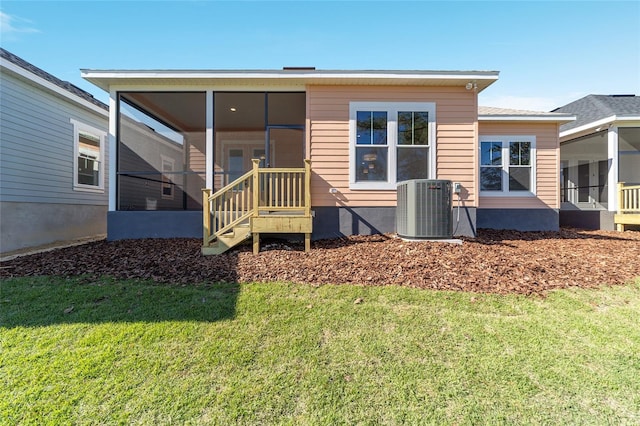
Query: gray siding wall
37	145
142	151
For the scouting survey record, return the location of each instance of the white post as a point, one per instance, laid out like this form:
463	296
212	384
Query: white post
209	146
612	180
112	148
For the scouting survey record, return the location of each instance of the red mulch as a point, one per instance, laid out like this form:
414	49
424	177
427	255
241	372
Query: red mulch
494	262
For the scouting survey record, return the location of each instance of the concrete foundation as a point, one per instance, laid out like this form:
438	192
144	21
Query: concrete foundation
519	219
588	219
153	224
333	222
28	225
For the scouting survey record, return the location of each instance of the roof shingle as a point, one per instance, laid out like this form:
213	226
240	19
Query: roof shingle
596	107
14	59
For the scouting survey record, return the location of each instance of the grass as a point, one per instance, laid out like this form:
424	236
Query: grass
82	351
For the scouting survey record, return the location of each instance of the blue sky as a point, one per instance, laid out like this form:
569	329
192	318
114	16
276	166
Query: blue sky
549	53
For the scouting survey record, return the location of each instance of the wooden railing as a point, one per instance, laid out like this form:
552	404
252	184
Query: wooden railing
628	198
628	206
284	189
257	192
227	208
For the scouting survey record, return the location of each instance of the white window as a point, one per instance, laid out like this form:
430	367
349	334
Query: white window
507	165
390	142
167	177
88	159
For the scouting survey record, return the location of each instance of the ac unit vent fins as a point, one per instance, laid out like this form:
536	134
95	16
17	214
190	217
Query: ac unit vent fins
424	209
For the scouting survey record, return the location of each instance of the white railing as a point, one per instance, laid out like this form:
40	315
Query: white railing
628	198
628	206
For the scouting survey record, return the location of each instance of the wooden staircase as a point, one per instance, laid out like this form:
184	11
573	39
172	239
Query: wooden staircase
228	240
264	200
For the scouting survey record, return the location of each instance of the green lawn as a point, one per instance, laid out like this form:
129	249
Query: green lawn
112	352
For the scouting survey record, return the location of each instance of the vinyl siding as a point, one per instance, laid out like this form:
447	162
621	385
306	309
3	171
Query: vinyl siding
37	145
547	165
328	118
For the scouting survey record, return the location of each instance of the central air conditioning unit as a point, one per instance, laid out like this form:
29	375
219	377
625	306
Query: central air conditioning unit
424	209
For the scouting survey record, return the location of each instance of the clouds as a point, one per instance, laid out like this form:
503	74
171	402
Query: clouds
12	26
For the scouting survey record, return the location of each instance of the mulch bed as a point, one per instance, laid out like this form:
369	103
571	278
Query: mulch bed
494	262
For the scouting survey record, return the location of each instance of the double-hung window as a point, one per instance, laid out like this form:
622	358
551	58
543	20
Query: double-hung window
88	158
390	142
507	165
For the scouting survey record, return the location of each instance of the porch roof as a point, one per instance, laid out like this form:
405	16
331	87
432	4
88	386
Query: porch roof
286	79
597	110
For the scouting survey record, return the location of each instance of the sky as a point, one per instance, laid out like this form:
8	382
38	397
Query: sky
548	53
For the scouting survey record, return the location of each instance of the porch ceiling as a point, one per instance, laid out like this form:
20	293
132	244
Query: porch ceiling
183	111
186	111
593	146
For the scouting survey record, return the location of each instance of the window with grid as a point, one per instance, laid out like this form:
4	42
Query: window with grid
390	142
88	157
507	165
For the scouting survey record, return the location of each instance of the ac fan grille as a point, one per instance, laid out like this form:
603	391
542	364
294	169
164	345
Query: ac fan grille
424	209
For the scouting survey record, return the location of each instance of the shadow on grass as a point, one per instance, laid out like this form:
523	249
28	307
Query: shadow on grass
43	301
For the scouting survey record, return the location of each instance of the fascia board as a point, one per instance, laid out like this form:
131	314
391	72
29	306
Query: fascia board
626	118
588	126
250	74
146	87
540	118
106	78
10	66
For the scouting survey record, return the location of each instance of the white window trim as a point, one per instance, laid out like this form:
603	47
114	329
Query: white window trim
164	159
505	139
82	127
392	109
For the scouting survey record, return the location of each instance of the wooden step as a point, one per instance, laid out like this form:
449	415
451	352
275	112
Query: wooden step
229	240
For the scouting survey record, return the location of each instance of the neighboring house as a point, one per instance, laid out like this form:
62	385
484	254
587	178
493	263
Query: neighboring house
597	151
53	162
363	132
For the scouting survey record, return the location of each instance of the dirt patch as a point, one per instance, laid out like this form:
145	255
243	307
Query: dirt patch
494	262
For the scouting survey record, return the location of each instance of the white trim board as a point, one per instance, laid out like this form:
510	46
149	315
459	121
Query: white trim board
10	66
618	119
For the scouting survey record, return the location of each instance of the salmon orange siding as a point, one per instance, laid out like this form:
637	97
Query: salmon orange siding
547	165
328	136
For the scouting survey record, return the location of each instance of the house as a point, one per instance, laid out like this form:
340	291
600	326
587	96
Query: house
597	151
320	152
53	162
